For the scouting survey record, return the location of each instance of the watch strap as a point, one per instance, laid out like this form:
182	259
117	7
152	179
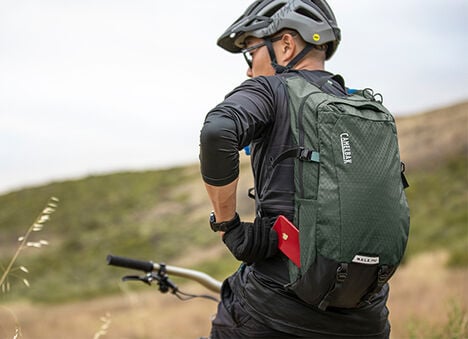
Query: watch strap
223	226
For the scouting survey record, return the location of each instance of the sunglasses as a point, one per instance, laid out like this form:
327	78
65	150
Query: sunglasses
248	52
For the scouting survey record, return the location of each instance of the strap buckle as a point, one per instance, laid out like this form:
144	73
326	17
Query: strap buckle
383	275
308	155
342	273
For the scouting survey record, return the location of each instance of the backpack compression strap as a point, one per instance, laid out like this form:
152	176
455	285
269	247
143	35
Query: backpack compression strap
305	154
300	153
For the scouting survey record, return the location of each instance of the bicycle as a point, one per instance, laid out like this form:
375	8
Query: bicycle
155	272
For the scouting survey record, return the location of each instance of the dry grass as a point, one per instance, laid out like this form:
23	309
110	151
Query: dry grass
134	316
423	292
24	242
420	292
10	270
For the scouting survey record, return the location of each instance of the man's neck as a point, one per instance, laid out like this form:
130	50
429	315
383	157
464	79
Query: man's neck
310	64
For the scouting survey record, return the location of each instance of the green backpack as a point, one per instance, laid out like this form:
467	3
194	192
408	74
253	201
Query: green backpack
350	204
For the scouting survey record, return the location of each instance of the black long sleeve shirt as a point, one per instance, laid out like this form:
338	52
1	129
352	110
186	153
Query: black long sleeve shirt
256	114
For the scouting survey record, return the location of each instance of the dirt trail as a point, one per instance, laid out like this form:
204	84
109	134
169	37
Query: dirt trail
420	290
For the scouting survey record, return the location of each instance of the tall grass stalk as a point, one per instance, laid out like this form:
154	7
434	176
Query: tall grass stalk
18	333
36	226
106	320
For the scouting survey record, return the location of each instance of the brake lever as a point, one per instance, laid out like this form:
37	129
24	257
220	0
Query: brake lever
147	279
165	284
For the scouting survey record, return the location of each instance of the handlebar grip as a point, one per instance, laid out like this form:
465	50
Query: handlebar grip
146	266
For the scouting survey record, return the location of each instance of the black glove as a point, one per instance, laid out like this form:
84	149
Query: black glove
251	242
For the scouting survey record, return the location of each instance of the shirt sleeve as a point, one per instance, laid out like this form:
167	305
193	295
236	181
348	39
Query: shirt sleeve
243	116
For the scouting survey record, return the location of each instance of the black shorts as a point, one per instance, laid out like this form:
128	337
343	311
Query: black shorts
233	322
237	319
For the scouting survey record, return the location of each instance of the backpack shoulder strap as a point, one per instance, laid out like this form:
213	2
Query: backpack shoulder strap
306	88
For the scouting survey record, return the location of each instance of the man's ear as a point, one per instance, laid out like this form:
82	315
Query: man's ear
288	47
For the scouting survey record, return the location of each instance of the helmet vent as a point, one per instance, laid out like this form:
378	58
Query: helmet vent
308	14
325	9
251	8
272	11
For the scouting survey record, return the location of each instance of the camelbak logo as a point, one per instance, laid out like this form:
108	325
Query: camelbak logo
345	148
362	259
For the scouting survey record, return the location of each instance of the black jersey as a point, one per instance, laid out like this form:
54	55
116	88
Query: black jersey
256	114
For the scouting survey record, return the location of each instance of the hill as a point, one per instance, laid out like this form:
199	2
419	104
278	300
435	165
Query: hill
162	215
434	147
429	139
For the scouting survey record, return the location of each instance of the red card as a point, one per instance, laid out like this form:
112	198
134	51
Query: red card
288	239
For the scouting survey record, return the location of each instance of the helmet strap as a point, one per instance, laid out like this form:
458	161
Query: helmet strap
272	54
283	69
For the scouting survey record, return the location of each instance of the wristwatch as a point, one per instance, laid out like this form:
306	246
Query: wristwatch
224	225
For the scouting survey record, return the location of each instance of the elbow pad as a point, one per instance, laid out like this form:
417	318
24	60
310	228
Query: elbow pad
250	242
219	154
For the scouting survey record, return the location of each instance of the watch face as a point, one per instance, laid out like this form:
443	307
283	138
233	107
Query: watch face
212	218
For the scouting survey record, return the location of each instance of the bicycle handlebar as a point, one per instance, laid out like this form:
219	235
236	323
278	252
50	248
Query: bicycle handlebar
147	266
140	265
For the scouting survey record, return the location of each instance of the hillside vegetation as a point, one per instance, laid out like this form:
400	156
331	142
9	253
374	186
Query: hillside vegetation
161	215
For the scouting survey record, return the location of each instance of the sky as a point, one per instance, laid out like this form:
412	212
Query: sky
92	87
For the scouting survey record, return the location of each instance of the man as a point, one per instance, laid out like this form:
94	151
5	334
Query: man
278	38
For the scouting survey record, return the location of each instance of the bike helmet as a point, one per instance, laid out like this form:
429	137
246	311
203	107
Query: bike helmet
312	19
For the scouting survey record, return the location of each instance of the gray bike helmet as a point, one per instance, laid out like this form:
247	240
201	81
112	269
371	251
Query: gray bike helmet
313	19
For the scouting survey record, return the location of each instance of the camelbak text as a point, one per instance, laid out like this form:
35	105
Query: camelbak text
346	148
